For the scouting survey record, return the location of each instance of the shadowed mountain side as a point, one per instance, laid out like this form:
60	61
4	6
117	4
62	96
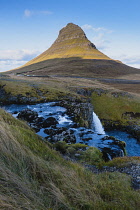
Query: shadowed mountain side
77	67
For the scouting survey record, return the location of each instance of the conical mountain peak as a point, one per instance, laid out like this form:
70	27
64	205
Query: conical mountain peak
74	55
71	42
72	31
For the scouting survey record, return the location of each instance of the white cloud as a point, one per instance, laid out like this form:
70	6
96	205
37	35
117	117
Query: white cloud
10	59
100	41
99	36
6	65
99	29
131	60
24	54
28	13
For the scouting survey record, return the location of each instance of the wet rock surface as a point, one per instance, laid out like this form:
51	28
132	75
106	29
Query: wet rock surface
80	112
49	122
28	115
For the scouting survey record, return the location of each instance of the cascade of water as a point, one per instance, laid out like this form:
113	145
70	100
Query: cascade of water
97	124
109	156
121	153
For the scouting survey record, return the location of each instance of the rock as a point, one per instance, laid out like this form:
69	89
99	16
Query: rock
52	131
131	115
66	135
28	115
15	112
134	130
87	139
49	122
81	112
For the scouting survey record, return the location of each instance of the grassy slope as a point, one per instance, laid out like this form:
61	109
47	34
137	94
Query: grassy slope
107	106
78	67
37	89
33	176
71	42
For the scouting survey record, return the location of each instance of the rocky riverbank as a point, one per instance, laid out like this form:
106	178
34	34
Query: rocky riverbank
60	124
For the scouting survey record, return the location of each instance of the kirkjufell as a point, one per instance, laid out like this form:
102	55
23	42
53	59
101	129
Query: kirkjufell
73	54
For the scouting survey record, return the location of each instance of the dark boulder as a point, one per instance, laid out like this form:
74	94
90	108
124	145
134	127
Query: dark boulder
28	115
52	132
39	121
49	122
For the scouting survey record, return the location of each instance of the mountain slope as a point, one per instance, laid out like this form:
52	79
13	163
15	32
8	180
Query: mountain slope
71	42
73	54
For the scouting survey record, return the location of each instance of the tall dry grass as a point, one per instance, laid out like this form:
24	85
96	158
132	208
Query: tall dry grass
33	176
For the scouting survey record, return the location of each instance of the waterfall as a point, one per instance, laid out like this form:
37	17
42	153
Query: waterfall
98	128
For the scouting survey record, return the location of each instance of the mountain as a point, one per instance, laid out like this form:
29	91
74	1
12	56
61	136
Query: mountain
73	54
71	42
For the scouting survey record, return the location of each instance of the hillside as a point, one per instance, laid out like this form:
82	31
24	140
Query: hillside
35	176
72	54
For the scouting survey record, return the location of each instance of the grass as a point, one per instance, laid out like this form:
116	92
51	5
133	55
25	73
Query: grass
81	152
123	161
38	91
109	107
34	176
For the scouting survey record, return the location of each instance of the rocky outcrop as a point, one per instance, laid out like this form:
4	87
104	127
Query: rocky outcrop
36	122
132	129
80	112
131	115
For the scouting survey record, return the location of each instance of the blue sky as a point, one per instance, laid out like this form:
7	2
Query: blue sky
29	27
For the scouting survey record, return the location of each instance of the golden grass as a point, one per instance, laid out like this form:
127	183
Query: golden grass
70	43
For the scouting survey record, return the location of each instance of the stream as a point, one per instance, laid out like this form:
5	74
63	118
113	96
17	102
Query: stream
96	136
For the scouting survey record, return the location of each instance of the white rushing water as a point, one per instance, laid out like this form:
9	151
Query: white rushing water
98	128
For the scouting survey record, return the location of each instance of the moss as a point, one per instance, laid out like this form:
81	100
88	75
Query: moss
61	146
92	156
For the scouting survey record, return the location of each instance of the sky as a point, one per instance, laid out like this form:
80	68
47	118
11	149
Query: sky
29	27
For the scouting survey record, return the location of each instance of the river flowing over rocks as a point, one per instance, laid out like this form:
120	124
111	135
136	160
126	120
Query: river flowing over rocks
60	121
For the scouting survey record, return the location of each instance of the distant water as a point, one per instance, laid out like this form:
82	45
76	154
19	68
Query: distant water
132	145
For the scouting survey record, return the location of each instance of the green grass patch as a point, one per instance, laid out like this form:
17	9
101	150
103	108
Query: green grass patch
31	90
109	107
